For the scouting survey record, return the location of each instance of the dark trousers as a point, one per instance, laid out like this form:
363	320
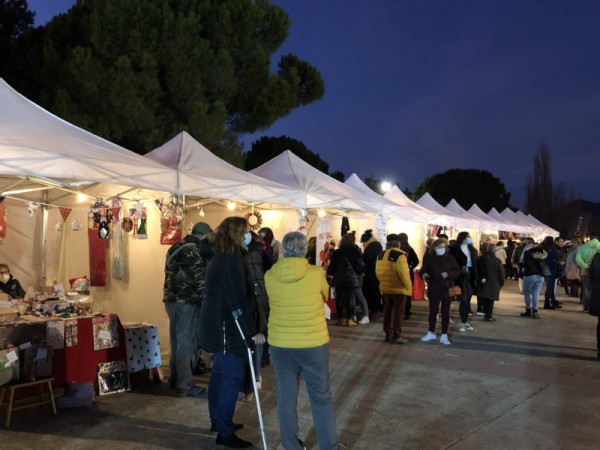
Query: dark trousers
226	380
393	313
549	295
465	301
345	303
434	306
407	312
488	306
372	294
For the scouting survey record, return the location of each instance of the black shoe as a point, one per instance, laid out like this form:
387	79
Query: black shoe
388	339
557	305
489	319
535	315
407	316
232	441
195	391
236	426
549	306
527	313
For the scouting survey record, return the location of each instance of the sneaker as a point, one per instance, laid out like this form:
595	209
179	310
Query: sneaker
462	327
489	319
232	441
451	322
429	337
351	323
444	339
468	327
480	313
364	320
399	340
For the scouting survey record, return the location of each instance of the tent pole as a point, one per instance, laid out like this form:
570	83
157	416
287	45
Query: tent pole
43	243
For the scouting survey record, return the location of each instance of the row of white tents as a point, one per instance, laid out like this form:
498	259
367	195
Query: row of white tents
46	161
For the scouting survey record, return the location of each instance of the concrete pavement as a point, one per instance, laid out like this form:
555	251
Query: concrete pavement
515	383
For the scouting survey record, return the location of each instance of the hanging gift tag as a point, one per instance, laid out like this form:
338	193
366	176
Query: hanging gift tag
105	334
41	354
12	357
25	345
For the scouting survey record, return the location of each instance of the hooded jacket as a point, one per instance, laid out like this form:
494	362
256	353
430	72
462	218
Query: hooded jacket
393	273
490	266
371	250
585	254
297	293
184	272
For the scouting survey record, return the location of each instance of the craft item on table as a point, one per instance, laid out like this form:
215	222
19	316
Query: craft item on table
142	233
9	363
143	347
97	258
106	332
80	284
2	219
55	333
71	333
170	223
113	377
118	269
254	219
37	360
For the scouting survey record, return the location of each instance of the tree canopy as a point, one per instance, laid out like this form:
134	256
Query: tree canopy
466	186
137	73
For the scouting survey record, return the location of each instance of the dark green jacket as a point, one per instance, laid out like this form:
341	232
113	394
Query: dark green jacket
185	272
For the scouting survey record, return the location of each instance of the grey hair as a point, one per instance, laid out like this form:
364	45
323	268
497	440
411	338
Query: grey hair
491	248
294	245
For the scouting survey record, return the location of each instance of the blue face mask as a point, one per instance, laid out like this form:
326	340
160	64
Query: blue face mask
469	241
247	239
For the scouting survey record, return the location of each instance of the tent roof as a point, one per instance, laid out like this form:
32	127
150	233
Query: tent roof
203	174
321	190
427	201
391	210
36	143
501	225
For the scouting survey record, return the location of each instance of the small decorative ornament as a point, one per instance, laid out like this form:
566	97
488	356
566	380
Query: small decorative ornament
59	227
32	207
254	219
76	225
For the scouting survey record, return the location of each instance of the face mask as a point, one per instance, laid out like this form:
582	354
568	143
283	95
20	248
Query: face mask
5	277
247	238
469	241
440	250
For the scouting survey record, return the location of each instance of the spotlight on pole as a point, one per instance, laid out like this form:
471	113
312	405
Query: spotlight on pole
386	186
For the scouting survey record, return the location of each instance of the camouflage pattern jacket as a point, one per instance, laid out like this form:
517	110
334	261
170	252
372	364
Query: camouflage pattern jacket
185	272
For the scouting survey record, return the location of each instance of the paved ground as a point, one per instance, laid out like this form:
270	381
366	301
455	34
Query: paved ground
513	384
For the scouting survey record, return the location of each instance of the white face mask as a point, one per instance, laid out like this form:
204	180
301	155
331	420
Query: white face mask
440	250
5	277
247	238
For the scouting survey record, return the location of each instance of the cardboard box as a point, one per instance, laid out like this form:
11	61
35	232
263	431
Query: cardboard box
8	314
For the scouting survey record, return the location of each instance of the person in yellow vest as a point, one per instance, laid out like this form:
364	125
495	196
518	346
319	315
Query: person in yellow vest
299	341
395	285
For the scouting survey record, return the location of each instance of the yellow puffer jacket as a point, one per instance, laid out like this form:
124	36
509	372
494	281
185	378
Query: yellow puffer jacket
297	293
392	272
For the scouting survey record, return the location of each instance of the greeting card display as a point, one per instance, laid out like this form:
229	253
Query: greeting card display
106	332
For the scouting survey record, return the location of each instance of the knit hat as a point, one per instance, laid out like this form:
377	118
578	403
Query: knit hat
368	234
201	228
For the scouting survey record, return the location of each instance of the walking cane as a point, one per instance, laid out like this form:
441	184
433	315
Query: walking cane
237	313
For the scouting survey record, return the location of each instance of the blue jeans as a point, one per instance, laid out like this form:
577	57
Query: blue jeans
313	364
358	295
226	380
532	285
183	323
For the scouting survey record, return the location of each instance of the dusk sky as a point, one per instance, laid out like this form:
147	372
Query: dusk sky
413	88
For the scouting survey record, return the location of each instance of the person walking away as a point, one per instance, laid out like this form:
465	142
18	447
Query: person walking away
500	254
594	305
225	295
439	271
554	267
572	271
509	270
584	257
466	257
371	250
413	261
257	262
491	279
393	274
534	269
346	267
517	263
300	342
183	293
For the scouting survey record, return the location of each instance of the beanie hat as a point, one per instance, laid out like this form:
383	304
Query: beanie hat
201	228
368	234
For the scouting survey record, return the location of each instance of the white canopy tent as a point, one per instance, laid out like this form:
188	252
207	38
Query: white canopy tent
497	225
427	201
454	207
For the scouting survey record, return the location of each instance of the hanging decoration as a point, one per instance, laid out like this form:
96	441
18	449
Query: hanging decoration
32	207
64	212
171	221
102	218
2	219
118	269
76	225
254	219
139	216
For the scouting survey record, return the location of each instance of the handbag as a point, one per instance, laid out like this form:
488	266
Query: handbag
454	291
9	363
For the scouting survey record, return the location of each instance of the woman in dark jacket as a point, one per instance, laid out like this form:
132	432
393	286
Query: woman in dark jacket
10	285
491	280
534	270
466	257
225	296
439	271
346	267
553	262
594	275
371	251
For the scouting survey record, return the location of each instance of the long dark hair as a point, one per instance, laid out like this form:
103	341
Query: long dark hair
228	235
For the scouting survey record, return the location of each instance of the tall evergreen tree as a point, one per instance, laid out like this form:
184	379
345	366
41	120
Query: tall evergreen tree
540	190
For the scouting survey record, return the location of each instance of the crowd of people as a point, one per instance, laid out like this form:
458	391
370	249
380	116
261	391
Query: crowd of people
248	299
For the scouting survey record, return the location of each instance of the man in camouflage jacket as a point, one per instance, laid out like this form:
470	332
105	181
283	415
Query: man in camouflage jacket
183	294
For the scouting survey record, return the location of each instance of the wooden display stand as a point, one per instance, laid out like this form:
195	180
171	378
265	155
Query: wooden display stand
11	389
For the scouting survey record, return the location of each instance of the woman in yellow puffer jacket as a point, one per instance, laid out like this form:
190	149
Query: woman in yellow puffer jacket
394	282
299	341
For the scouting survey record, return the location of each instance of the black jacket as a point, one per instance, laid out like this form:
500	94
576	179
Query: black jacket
13	288
257	263
534	262
370	254
346	265
225	293
594	275
461	259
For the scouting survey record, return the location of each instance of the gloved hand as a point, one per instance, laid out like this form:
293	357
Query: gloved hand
259	338
444	275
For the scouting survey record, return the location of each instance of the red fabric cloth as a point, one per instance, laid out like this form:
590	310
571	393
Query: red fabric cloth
97	258
418	287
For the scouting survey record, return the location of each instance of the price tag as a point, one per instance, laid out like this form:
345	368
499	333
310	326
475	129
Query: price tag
105	334
41	354
12	357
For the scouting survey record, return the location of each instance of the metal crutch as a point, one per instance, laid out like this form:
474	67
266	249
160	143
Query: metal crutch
237	313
